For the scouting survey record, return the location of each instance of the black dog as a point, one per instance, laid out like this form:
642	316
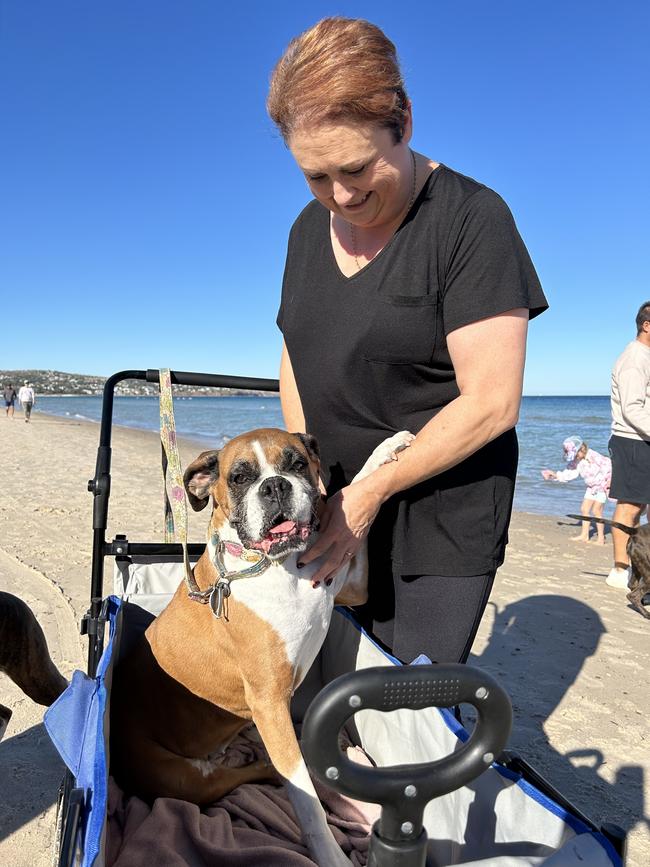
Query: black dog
638	550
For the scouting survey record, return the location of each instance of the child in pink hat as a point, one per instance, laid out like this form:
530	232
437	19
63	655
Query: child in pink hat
596	470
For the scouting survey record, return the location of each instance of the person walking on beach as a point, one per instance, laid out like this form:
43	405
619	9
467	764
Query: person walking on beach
596	470
396	272
629	445
10	400
27	399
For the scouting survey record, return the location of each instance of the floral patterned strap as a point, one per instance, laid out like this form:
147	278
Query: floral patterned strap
176	508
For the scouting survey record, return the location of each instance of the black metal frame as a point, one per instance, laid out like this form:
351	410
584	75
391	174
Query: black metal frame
92	624
100	487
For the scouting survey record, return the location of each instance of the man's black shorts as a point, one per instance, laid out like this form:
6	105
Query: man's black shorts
630	470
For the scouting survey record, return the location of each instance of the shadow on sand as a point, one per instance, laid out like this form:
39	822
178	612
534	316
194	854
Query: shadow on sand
537	653
30	774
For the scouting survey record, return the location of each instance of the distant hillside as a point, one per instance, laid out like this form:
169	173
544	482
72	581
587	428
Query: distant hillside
57	382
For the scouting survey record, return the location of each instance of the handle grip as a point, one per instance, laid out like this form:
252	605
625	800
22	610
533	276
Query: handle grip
404	790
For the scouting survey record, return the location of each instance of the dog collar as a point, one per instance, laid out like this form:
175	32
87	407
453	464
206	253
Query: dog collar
216	595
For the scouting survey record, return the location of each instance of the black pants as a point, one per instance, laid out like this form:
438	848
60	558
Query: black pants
432	614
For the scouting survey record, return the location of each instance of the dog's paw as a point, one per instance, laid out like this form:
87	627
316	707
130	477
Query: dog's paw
385	452
637	603
389	449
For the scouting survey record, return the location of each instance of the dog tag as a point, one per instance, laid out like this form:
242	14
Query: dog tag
251	556
220	592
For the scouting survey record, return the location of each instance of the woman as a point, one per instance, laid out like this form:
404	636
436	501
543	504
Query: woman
405	304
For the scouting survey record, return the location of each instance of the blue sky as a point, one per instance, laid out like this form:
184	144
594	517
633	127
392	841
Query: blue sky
145	198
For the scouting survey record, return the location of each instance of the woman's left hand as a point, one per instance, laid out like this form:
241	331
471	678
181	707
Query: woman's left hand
345	524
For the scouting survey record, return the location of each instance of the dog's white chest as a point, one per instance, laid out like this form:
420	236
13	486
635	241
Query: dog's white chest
297	612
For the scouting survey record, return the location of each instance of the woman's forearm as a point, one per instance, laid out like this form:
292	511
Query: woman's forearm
455	433
488	405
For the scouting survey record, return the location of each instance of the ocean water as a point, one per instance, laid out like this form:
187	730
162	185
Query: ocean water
543	425
210	420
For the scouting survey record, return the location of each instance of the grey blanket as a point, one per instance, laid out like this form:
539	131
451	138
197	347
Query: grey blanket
253	825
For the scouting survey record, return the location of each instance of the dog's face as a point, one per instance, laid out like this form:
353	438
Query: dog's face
266	484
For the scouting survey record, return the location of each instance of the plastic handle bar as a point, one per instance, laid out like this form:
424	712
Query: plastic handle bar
404	790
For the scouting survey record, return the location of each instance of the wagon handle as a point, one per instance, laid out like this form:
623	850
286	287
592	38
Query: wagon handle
404	790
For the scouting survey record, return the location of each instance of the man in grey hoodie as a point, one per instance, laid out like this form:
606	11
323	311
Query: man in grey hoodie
629	445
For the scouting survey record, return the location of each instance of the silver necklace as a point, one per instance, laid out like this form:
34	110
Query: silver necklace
353	237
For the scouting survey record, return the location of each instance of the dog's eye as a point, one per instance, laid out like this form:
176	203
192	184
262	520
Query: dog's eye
298	465
240	479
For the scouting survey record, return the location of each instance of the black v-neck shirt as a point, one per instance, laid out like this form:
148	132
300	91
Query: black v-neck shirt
369	354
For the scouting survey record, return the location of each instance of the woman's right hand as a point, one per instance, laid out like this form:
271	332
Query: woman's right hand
548	475
345	523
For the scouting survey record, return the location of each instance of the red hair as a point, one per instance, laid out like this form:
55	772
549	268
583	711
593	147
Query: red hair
341	69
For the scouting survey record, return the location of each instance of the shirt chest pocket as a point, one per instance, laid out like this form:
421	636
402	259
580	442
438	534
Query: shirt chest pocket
402	329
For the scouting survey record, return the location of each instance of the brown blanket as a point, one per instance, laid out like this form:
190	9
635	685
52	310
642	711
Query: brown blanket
253	825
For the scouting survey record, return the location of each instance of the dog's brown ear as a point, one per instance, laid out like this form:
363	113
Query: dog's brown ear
198	478
309	442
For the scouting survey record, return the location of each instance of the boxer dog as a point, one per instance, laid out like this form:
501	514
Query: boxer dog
201	672
24	656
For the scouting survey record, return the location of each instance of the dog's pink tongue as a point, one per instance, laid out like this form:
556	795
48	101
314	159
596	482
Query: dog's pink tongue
284	527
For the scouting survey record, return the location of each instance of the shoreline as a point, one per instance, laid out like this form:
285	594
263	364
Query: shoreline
531	495
570	652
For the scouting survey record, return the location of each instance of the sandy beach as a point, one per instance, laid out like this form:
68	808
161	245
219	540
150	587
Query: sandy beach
572	654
